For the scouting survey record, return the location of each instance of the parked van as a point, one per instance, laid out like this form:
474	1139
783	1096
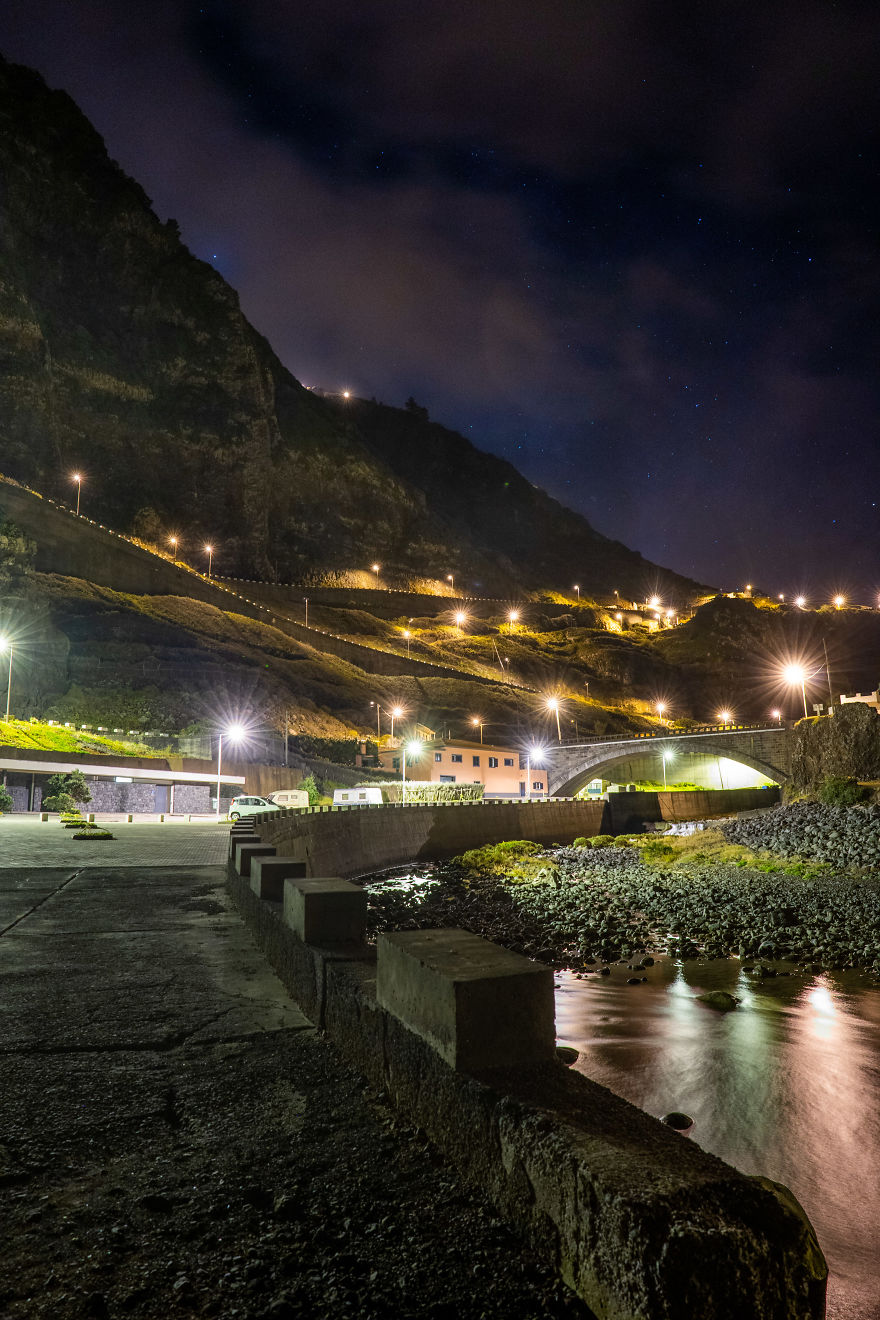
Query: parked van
357	797
290	797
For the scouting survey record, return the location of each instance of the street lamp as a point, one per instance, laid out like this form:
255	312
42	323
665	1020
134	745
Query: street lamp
776	715
209	551
234	733
306	604
553	704
536	755
415	750
667	756
172	541
460	619
660	709
578	590
6	645
77	477
451	580
396	712
839	602
800	601
375	568
378	713
512	618
407	634
795	676
725	717
477	721
654	602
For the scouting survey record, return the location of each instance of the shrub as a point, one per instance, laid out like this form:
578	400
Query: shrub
94	833
602	841
837	791
309	785
496	857
5	799
62	802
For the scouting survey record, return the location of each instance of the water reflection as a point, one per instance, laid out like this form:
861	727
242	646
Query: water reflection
788	1085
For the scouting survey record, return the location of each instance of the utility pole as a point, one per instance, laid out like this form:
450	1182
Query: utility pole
828	672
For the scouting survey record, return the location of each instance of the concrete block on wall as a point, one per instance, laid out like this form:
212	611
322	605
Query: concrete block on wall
479	1005
269	873
245	852
326	911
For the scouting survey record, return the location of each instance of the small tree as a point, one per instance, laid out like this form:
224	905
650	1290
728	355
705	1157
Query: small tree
5	798
308	785
63	792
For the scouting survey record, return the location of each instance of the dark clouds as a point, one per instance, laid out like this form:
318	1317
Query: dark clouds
630	246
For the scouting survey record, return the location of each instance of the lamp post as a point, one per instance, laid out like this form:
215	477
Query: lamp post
77	477
477	721
460	620
415	749
450	578
172	541
209	551
375	568
306	604
6	645
725	717
535	754
666	756
396	712
796	676
512	618
660	709
553	704
407	634
234	733
578	590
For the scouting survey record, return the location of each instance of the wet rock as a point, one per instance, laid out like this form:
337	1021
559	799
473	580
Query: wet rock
678	1121
720	1000
567	1054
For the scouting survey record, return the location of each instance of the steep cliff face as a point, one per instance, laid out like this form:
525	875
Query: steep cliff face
124	355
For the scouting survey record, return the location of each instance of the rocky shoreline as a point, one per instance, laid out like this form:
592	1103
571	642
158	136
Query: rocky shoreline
810	897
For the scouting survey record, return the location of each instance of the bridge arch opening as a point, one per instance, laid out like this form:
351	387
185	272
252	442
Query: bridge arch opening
692	769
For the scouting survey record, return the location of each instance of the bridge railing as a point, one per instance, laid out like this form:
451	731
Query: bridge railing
648	734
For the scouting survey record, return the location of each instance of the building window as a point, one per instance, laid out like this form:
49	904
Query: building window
493	762
476	760
537	785
447	779
438	756
456	757
478	781
508	760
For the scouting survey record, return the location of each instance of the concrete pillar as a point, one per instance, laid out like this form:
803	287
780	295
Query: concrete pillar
325	911
478	1005
241	836
244	852
269	873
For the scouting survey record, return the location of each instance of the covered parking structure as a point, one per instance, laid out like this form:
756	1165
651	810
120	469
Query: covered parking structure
128	784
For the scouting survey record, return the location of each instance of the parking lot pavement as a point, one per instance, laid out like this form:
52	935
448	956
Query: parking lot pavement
28	842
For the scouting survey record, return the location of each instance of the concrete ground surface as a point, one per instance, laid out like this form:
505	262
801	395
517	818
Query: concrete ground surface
26	841
176	1140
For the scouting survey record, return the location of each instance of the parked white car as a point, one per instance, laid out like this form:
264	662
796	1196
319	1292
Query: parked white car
250	806
290	797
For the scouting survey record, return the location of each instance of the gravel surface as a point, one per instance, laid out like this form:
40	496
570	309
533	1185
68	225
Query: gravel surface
598	906
176	1140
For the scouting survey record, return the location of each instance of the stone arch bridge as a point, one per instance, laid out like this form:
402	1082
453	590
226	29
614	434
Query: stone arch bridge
767	750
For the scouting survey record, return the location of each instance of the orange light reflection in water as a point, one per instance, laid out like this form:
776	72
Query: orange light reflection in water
788	1086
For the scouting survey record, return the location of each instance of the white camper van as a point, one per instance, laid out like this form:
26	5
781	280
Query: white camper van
357	797
290	797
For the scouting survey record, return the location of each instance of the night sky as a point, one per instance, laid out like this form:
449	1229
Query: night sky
631	246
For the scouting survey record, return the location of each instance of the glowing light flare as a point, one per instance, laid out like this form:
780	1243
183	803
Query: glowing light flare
725	717
800	601
839	602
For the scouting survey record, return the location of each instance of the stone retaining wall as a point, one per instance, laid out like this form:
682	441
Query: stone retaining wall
351	841
639	1221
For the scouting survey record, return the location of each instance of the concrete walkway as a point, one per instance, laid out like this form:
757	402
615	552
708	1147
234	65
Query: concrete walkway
177	1141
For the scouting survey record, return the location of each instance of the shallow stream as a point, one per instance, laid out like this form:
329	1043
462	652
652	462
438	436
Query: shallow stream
787	1085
